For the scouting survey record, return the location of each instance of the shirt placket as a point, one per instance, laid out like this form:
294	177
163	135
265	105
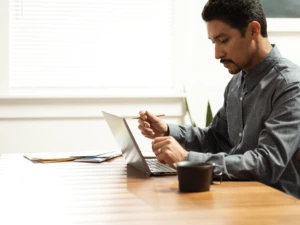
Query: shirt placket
240	116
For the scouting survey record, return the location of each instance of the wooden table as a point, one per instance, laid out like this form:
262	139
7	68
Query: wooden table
111	193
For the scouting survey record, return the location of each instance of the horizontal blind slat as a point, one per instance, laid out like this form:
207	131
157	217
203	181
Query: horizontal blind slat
90	43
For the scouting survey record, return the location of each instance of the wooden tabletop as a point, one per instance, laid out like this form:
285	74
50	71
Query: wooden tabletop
112	193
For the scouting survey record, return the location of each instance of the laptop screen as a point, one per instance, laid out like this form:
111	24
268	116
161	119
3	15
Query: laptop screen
126	142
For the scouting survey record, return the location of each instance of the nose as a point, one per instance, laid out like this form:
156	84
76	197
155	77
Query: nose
219	52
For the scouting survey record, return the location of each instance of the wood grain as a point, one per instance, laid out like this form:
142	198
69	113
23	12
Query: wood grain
112	193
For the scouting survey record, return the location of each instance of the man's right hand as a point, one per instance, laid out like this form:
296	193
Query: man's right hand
152	126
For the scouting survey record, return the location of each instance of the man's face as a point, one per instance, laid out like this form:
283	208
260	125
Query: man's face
234	50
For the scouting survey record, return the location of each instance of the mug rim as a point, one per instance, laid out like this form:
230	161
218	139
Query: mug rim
193	164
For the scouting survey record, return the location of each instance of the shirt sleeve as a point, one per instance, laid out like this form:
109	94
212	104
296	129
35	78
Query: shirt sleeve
213	138
278	141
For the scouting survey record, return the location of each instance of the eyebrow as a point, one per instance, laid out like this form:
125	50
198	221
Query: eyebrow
218	36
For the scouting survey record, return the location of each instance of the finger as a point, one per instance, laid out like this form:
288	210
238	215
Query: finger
160	158
142	112
144	123
160	139
141	128
169	161
159	142
151	135
143	115
146	130
152	117
157	151
156	147
149	131
161	151
165	156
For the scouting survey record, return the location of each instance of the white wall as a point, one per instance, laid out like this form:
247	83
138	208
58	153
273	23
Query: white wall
74	124
208	81
205	77
54	124
3	46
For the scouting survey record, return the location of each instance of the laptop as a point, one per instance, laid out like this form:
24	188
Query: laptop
130	149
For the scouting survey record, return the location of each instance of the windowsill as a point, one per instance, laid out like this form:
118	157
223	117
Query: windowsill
87	105
133	93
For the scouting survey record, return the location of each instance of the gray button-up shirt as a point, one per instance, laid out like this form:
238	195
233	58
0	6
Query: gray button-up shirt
256	133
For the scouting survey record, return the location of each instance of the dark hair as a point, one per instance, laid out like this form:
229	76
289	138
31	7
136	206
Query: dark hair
236	13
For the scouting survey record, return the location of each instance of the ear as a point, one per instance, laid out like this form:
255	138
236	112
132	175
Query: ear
254	29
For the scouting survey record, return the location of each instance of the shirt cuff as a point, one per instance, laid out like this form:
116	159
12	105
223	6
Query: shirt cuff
196	156
174	131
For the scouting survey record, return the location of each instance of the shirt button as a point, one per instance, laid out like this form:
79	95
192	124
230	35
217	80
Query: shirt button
241	98
240	134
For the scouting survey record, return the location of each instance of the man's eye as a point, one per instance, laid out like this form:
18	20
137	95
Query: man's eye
224	41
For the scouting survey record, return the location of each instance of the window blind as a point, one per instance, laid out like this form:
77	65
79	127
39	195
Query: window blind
90	43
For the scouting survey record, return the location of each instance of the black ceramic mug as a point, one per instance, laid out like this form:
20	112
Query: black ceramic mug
196	176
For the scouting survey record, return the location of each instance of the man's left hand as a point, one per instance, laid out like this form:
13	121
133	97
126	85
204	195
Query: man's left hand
168	150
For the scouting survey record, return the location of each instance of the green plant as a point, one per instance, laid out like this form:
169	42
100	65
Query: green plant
188	111
209	115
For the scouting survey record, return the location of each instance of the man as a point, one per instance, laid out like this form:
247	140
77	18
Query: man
256	134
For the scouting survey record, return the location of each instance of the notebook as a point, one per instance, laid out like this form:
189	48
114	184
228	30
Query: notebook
130	149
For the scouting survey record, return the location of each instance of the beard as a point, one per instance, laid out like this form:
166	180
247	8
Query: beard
232	67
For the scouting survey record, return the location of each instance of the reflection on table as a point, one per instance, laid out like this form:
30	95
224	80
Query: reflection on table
112	193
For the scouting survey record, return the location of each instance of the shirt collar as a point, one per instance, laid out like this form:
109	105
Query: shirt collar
254	76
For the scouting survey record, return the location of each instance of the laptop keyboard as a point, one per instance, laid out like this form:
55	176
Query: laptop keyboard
156	166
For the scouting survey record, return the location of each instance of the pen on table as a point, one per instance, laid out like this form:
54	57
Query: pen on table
138	117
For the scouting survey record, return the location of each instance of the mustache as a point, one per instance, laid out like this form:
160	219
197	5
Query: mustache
226	61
